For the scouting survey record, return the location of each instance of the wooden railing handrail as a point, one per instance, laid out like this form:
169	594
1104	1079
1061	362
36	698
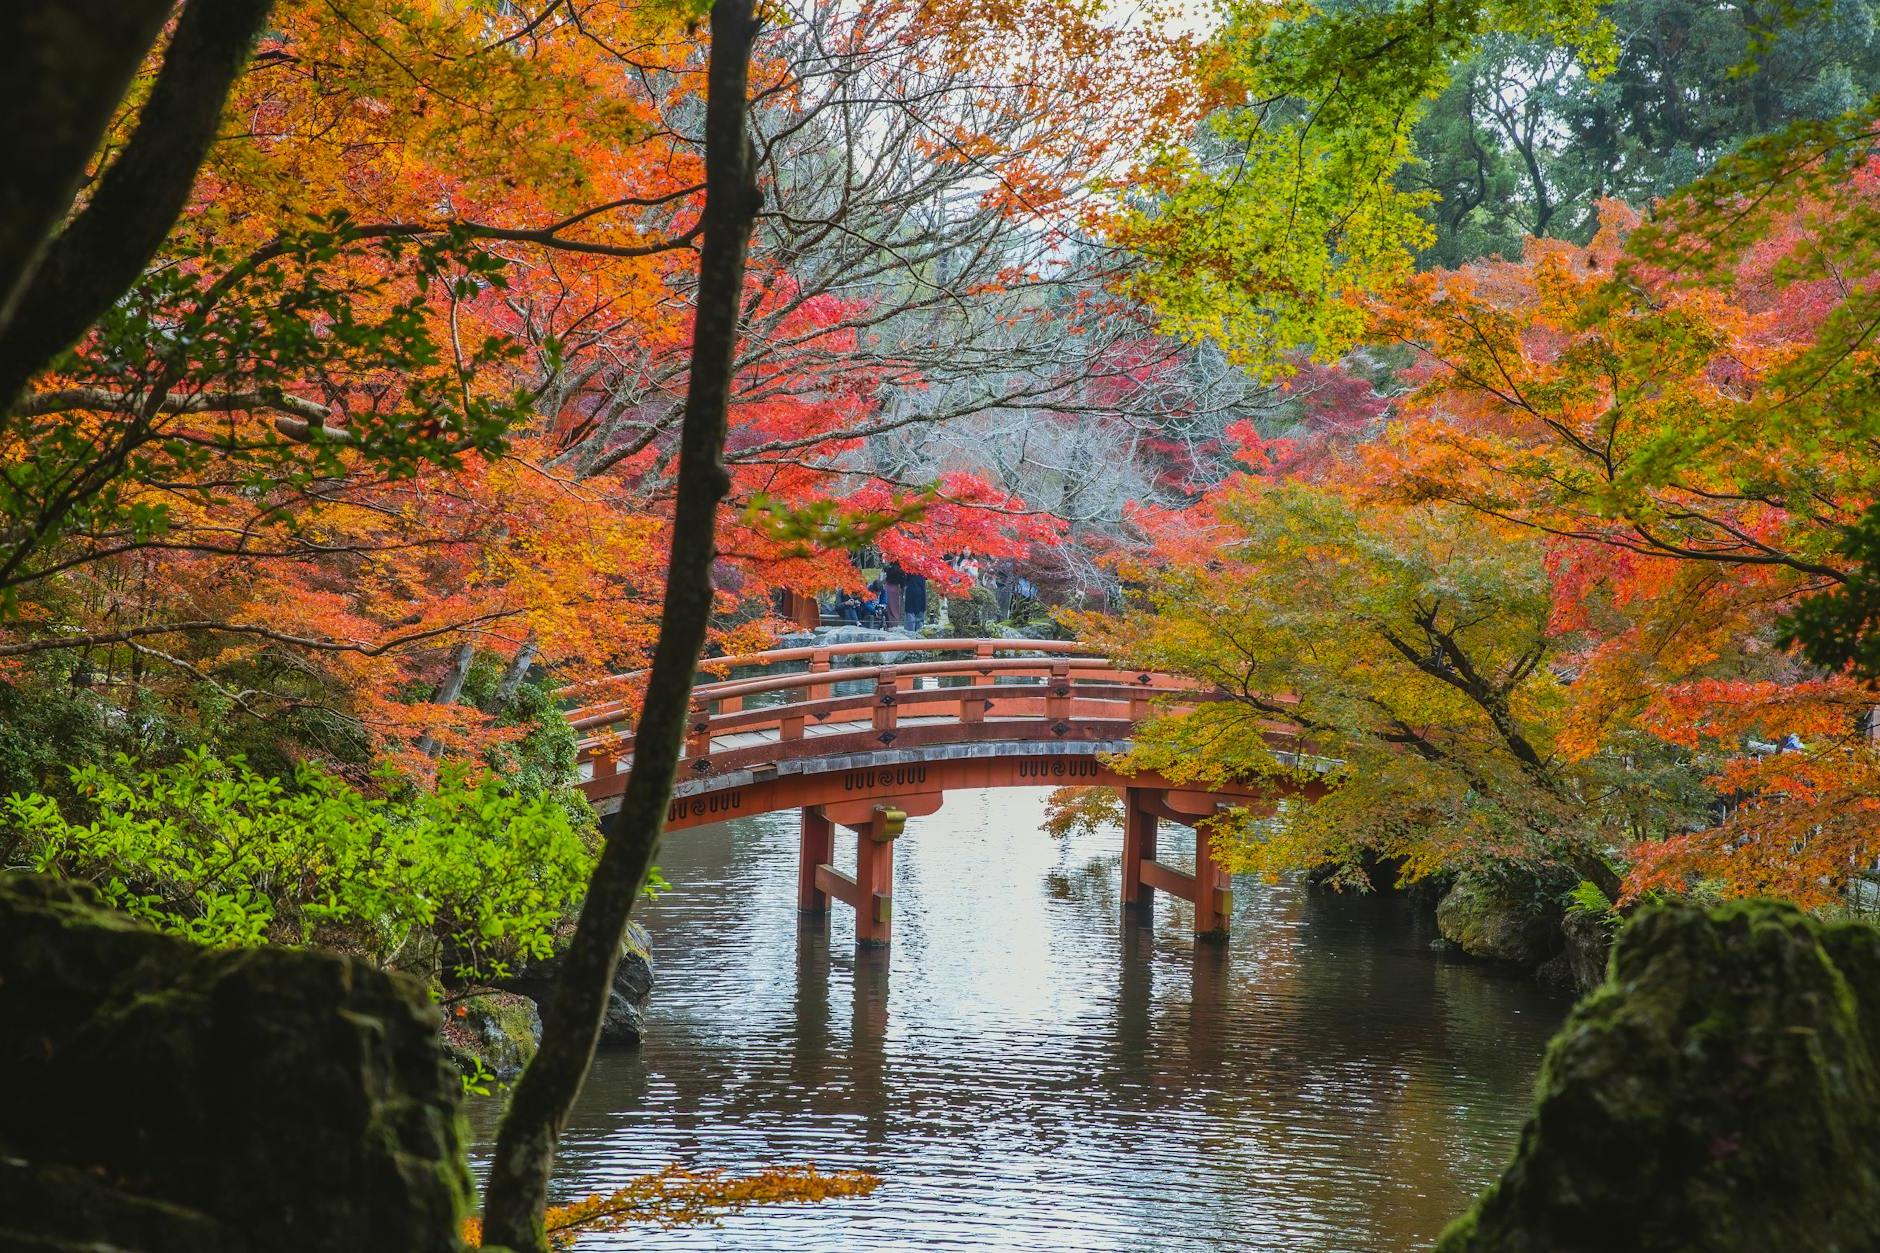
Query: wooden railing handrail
1079	666
1069	695
810	652
1085	680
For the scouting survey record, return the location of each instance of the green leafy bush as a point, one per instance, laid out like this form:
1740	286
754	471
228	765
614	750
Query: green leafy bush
1586	898
973	614
454	885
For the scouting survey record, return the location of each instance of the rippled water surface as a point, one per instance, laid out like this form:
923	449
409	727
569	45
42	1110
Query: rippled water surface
1025	1072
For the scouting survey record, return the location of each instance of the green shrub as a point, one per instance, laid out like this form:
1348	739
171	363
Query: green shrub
453	885
970	616
1586	898
47	719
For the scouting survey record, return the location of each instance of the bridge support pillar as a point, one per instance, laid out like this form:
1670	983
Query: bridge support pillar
1208	888
877	825
1139	831
1214	896
874	876
818	848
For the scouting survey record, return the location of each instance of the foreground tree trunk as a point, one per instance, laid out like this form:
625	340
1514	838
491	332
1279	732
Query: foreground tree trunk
538	1108
67	64
52	291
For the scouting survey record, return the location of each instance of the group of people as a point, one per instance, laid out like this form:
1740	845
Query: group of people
894	598
897	597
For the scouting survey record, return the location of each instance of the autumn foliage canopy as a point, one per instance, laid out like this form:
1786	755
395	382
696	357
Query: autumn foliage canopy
1543	607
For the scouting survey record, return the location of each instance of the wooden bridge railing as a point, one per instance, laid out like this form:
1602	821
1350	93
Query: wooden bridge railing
1066	692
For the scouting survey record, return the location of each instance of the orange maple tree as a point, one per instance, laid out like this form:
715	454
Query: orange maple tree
1690	441
401	388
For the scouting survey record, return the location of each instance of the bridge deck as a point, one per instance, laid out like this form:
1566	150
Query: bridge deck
865	747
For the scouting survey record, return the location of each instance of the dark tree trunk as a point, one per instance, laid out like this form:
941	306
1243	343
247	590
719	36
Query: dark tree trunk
103	250
513	675
66	64
517	1192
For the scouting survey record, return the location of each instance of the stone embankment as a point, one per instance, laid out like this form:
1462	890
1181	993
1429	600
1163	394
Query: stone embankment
501	1029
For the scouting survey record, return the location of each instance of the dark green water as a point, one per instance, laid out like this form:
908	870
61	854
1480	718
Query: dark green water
1025	1072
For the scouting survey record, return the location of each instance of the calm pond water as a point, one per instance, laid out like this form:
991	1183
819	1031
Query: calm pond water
1025	1072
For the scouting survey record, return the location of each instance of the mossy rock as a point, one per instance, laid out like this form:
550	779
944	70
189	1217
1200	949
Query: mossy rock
1580	966
501	1030
625	1020
1483	921
973	614
161	1095
1719	1091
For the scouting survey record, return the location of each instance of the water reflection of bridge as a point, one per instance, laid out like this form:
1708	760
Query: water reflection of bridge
865	736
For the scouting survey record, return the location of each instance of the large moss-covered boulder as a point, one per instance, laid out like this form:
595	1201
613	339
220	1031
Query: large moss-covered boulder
163	1096
1484	921
625	1020
1720	1091
1580	965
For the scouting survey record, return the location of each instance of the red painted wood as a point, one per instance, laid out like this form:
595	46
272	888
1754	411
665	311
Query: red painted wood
816	848
1102	700
887	704
1067	697
1213	902
886	782
1166	878
860	815
874	878
1057	702
809	652
1081	670
832	882
1139	832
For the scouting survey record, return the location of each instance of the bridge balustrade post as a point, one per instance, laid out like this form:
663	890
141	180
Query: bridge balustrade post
603	763
818	664
698	737
817	848
1139	832
887	702
1057	698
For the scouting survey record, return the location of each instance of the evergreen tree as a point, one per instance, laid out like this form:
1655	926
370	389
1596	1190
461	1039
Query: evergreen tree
1523	142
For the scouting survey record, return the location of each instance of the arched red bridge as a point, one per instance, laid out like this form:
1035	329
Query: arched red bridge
866	735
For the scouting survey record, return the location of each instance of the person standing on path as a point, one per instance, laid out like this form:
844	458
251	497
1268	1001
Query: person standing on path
896	579
915	596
